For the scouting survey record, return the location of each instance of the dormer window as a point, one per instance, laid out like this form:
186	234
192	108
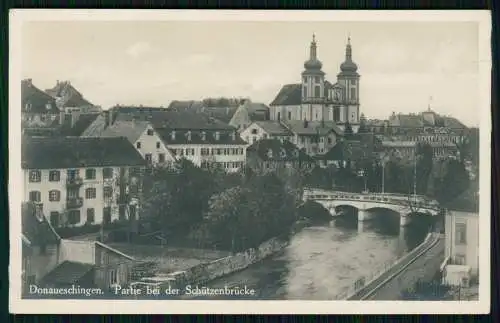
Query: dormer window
233	136
188	135
172	135
28	106
203	136
217	135
283	153
48	106
269	153
150	132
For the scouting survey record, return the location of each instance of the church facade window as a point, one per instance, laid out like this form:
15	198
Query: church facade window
304	91
317	91
353	94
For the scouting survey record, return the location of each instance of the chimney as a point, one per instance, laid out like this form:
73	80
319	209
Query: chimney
203	136
188	135
172	135
57	82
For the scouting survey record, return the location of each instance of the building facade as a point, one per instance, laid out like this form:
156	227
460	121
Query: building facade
266	130
316	99
207	148
80	181
38	109
461	248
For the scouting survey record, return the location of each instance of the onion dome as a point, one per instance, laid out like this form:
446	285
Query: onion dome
313	63
348	66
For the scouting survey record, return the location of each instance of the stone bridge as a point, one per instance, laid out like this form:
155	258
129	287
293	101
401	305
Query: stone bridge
366	203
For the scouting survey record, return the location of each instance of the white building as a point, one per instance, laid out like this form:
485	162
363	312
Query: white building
207	148
143	137
316	99
265	130
82	180
462	248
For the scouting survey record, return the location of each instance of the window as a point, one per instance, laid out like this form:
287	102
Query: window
158	145
353	82
289	115
54	195
90	193
460	233
54	176
73	173
90	173
74	216
150	132
353	94
113	277
278	116
254	131
304	91
138	145
317	91
329	140
90	215
161	158
149	158
35	196
35	176
54	219
317	79
107	192
107	172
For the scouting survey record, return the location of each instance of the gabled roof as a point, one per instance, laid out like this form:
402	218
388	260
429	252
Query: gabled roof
69	95
310	128
67	273
274	128
37	99
131	130
72	152
223	114
276	150
35	227
182	137
347	150
240	117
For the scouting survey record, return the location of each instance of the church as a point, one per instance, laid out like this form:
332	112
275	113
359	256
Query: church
316	99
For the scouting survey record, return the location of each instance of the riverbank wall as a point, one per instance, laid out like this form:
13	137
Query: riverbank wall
421	264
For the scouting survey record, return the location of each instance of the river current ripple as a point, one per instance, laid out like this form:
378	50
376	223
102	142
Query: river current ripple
323	260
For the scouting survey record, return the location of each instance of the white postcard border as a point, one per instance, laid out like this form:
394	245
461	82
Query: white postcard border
18	305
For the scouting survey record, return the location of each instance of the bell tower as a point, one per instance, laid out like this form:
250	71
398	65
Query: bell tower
349	78
313	78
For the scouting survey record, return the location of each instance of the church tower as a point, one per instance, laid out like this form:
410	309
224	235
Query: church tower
349	78
313	78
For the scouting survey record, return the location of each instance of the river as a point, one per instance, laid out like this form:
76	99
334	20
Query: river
324	260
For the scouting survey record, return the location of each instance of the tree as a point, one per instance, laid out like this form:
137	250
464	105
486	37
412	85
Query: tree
424	155
454	182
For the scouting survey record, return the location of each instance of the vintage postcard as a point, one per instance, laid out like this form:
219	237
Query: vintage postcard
249	161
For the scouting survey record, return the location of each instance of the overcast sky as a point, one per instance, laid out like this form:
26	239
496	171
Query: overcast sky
402	64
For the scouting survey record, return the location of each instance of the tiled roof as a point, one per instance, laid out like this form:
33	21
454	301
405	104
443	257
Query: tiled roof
275	150
96	127
453	123
182	137
67	273
290	94
347	150
70	96
70	152
37	99
312	127
131	130
83	122
35	226
223	114
172	119
274	128
240	117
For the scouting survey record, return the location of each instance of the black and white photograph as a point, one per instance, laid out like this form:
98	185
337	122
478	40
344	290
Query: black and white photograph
200	161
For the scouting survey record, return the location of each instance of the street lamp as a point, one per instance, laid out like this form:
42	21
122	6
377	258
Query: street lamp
384	160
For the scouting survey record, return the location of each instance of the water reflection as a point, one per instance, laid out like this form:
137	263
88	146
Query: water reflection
324	260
